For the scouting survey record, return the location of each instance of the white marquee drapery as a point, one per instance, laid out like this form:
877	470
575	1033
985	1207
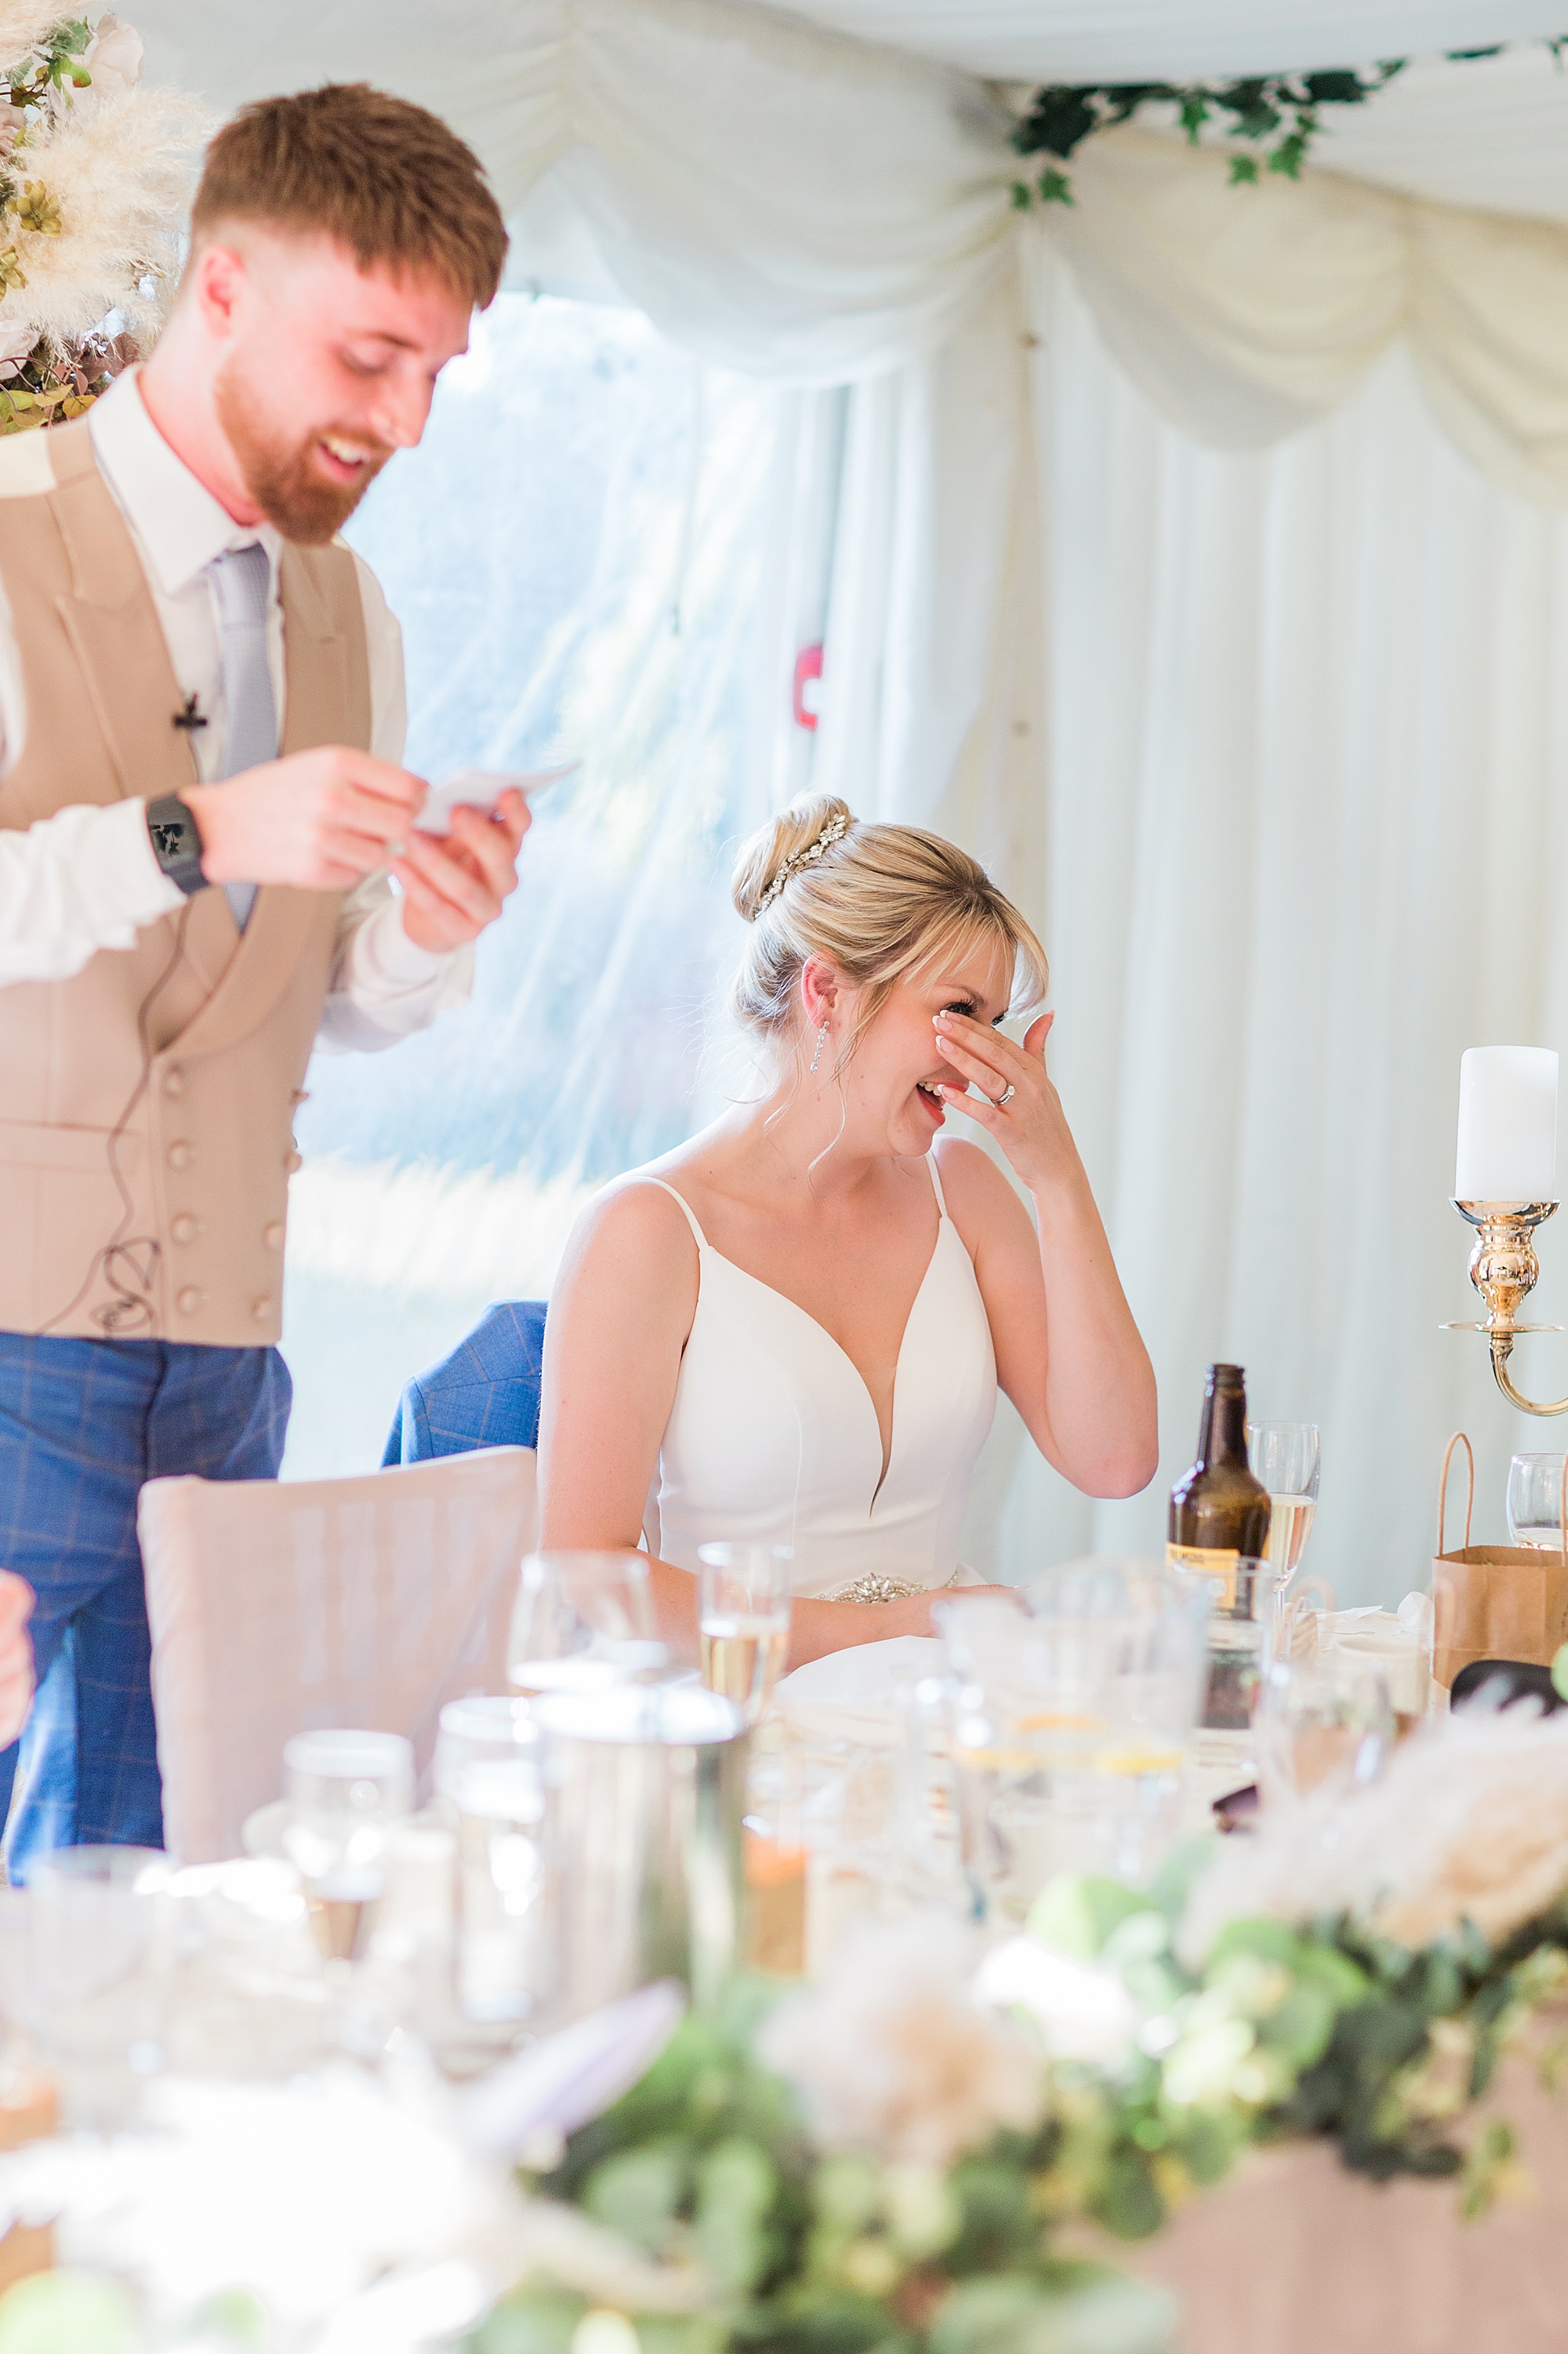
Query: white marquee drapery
1123	667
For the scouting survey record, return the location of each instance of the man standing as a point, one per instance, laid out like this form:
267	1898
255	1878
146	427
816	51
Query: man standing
206	859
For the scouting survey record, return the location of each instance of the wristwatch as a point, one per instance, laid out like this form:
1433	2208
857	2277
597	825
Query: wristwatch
176	844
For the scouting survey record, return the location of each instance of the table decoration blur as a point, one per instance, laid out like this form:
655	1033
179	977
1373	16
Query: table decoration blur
906	2151
744	1594
582	1620
1285	1456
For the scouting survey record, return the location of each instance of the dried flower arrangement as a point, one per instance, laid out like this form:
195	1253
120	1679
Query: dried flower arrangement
96	174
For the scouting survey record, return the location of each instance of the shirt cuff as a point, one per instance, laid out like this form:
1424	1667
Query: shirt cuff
386	987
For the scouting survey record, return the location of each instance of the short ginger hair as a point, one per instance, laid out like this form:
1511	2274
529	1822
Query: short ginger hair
385	179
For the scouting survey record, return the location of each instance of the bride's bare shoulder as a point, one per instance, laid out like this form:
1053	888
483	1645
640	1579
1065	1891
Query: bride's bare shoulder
633	1223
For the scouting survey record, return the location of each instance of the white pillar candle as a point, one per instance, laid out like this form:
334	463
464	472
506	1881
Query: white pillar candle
1508	1125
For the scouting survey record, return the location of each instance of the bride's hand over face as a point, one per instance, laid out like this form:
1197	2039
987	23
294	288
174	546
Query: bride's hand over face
1016	1100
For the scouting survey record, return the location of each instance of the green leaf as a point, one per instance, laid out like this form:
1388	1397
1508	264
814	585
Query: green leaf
1560	1671
1261	1938
531	2321
1077	1914
1129	2204
1022	196
638	2194
1243	171
1055	188
735	2188
66	2313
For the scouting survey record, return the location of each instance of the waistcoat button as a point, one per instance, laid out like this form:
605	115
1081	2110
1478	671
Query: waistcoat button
261	1309
272	1236
181	1154
292	1161
184	1228
189	1300
174	1080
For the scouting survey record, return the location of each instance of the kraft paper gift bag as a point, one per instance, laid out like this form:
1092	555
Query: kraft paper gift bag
1494	1602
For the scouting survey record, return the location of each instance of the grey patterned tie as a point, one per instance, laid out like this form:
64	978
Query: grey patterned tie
242	577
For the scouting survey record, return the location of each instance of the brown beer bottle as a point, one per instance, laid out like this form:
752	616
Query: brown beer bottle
1218	1510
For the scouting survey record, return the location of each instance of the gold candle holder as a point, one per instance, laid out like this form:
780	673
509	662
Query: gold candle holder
1503	1269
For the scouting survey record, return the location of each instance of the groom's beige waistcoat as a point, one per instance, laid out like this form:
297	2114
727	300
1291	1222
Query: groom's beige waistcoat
146	1105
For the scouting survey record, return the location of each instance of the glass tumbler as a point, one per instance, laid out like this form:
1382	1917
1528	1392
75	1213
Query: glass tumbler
490	1770
744	1595
344	1791
582	1622
1314	1723
105	1929
1071	1725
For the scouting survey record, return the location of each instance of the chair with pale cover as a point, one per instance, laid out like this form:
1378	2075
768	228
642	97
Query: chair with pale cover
280	1607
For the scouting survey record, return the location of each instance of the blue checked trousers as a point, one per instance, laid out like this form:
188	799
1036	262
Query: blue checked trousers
82	1425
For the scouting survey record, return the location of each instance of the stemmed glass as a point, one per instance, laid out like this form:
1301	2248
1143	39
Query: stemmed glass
744	1594
346	1792
582	1620
1535	1501
1284	1456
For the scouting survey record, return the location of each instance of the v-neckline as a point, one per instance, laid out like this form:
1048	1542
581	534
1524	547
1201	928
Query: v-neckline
817	1326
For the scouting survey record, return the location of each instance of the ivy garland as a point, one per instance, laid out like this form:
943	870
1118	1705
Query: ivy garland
1279	113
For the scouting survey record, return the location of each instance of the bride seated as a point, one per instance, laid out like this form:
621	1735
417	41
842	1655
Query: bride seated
795	1325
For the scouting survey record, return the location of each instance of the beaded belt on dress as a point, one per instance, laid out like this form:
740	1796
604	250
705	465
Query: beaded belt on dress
877	1589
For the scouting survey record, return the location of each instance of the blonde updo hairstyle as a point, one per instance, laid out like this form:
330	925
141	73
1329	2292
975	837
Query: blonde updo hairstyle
881	902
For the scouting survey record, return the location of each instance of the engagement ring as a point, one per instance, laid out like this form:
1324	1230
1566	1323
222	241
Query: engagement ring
1006	1096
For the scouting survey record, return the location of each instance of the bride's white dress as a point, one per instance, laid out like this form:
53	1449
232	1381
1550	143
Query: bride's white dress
773	1435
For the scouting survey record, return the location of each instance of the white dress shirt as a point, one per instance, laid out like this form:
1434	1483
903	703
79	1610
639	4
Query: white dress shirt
86	878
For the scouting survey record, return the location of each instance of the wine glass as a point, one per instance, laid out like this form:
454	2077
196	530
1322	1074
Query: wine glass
1535	1501
582	1620
744	1594
345	1792
1284	1457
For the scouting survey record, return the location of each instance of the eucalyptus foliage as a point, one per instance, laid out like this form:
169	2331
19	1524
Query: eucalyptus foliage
707	2165
1279	114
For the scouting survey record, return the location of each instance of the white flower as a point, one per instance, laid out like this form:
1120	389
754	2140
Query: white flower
1082	2012
891	2054
1469	1823
113	57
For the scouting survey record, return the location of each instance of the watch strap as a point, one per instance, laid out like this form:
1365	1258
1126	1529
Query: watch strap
176	844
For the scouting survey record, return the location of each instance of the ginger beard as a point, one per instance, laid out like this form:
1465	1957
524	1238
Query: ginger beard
286	476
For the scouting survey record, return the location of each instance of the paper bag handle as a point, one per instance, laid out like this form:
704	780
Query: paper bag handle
1459	1440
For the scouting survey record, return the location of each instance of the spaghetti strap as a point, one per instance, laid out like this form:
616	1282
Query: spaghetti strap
936	1183
690	1214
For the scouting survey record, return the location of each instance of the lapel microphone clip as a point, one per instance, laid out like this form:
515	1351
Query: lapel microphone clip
190	718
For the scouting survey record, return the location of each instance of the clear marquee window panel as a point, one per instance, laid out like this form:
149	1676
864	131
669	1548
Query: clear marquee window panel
577	552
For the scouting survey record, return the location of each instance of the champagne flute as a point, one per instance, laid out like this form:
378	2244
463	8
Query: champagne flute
345	1792
1284	1457
1535	1501
743	1594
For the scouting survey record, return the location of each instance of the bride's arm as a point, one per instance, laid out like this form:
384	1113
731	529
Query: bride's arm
1067	1351
620	1313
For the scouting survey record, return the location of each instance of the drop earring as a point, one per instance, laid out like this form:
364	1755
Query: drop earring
821	1041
